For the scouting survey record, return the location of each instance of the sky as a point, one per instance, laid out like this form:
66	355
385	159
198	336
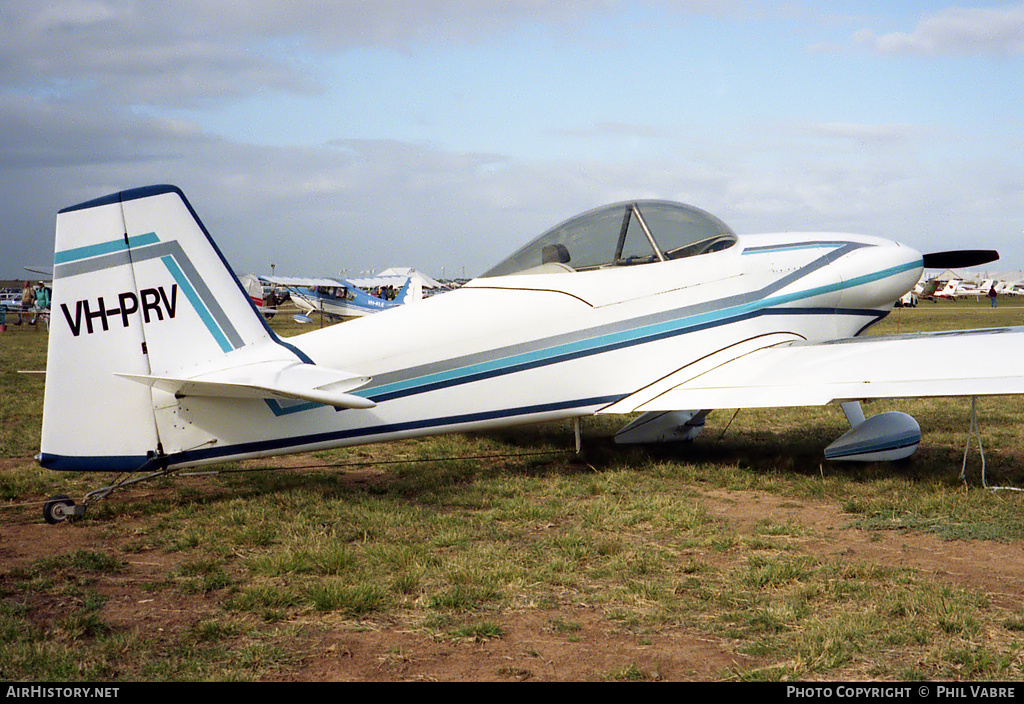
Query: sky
340	138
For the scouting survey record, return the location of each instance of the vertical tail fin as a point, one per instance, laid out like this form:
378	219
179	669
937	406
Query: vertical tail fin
139	288
411	292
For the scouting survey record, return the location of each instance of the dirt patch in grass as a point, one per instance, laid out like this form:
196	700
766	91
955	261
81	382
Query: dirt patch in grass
568	644
995	568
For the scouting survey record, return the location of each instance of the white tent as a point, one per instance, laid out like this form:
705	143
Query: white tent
953	275
396	276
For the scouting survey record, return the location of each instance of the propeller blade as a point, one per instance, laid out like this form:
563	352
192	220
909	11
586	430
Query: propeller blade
959	258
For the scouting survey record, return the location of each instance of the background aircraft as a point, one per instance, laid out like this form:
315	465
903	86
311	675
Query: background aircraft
646	307
341	298
966	290
255	290
947	291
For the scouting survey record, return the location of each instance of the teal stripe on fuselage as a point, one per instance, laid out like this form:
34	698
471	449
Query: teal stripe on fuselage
594	344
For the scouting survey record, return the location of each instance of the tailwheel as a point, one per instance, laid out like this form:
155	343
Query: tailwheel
59	509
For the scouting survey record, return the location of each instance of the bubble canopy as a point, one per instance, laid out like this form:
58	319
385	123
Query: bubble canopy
621	234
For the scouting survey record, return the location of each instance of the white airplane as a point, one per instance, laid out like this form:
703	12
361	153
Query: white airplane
254	289
949	291
342	299
647	306
965	290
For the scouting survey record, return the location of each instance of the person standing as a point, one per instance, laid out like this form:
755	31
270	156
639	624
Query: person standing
28	301
42	301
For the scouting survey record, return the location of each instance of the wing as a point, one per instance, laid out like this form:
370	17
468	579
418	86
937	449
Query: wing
771	372
303	282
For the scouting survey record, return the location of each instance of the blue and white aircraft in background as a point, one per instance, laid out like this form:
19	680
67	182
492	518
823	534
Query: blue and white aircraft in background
341	298
648	307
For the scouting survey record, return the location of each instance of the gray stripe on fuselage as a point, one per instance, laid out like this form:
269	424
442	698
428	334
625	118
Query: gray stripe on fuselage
398	376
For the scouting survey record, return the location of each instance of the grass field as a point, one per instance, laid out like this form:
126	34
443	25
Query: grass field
505	556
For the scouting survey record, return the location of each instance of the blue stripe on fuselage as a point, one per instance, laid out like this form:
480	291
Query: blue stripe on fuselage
598	344
110	463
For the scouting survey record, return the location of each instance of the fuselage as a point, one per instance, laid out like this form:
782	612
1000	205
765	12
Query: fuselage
535	347
596	315
340	302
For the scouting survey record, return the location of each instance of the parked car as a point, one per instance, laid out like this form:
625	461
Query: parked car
11	301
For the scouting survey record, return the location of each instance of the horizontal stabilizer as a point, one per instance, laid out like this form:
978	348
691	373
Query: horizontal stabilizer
277	379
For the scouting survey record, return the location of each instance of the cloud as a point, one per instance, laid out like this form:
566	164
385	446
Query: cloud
355	203
71	134
881	142
200	52
988	31
194	53
140	53
614	129
363	204
79	82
